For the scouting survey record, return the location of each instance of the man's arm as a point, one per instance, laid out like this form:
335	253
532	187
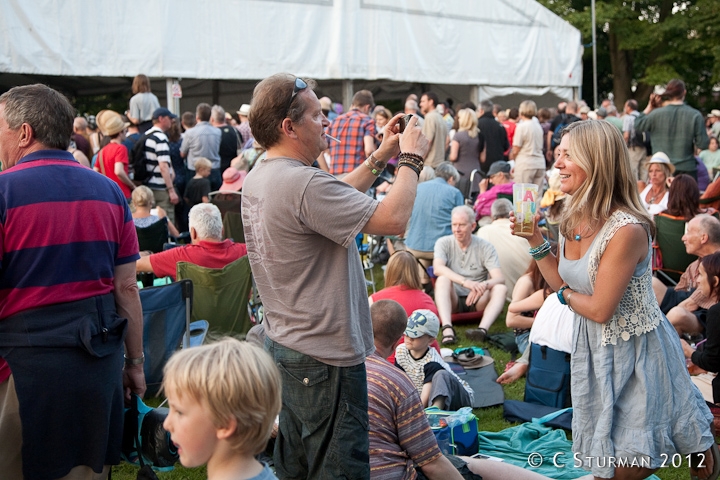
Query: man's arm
167	177
441	469
127	302
440	268
143	264
369	143
702	141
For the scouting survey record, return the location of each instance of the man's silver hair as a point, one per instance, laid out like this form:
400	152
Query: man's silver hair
205	218
464	209
447	171
501	208
217	113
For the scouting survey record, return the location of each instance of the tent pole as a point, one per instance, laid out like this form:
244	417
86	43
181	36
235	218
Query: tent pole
347	94
594	45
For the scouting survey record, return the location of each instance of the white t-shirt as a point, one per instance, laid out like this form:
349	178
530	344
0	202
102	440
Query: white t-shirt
553	325
654	208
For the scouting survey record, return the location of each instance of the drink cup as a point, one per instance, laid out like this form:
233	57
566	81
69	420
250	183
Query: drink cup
525	196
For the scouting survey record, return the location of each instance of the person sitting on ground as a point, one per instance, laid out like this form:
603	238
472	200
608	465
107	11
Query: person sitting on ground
144	211
208	249
402	445
709	357
685	305
402	284
553	328
469	277
210	390
656	194
528	296
512	250
499	176
435	381
198	189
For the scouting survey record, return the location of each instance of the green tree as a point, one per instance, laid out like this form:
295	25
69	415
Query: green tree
644	43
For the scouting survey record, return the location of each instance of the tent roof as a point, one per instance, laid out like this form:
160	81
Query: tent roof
481	42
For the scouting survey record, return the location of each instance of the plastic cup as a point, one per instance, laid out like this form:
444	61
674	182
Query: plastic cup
525	196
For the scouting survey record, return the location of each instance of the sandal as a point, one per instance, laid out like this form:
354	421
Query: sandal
476	334
449	339
697	459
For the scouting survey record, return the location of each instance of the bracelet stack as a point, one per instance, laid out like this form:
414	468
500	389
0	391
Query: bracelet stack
374	165
411	160
541	251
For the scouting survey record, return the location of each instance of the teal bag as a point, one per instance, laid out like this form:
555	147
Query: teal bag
462	427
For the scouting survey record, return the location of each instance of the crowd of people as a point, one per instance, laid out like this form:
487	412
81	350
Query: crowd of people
346	375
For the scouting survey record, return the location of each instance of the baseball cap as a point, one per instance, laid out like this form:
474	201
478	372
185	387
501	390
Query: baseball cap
422	322
499	166
163	112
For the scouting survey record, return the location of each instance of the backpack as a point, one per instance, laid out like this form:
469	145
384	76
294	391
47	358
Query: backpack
638	139
557	133
138	160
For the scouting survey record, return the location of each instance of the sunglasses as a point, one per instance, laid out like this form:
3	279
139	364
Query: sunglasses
300	85
468	352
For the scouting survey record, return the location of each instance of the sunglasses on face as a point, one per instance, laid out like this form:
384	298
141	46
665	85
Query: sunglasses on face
300	85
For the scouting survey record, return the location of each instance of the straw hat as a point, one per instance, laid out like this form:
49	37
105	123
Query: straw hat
110	123
663	159
244	110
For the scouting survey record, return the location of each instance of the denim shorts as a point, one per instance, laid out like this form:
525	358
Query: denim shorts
323	431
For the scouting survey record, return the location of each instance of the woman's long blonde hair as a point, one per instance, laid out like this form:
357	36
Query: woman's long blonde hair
600	151
467	121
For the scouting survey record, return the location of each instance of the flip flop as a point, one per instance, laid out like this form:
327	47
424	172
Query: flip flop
449	339
697	458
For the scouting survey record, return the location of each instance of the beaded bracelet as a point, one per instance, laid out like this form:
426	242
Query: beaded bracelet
408	155
539	256
540	248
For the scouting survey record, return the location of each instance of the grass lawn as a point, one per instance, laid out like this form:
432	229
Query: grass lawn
490	419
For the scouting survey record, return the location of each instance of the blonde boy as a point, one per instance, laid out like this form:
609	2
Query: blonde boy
223	400
198	188
436	382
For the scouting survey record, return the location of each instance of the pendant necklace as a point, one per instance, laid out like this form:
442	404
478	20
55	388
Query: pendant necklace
578	236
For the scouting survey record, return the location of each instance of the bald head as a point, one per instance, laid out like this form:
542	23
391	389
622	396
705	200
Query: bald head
710	226
80	125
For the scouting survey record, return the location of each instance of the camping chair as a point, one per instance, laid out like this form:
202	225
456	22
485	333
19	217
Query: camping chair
669	256
166	320
233	227
220	295
455	318
226	201
152	238
507	196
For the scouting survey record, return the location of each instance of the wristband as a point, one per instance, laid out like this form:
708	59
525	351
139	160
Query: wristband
568	300
135	361
410	165
560	294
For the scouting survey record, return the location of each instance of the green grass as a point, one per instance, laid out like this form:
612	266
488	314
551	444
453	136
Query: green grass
490	419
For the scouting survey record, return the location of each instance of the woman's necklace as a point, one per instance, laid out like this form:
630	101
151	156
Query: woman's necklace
655	196
582	233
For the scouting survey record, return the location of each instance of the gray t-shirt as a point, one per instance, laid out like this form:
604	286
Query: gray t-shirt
300	228
474	263
143	105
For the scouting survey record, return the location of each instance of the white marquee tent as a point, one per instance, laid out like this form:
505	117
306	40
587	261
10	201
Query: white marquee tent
465	49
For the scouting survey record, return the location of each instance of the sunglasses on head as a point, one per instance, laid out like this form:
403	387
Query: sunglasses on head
300	85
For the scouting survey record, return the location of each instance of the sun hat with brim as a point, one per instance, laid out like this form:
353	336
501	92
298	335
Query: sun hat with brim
469	358
714	113
232	180
244	110
663	159
110	123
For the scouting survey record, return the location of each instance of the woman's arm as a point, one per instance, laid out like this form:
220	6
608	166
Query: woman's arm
172	229
120	172
454	149
625	250
514	319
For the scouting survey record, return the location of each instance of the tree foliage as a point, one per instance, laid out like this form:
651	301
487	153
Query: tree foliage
644	43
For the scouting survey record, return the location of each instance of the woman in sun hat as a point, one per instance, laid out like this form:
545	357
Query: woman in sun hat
112	159
233	180
655	195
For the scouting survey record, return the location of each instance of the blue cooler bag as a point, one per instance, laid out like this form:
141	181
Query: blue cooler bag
456	432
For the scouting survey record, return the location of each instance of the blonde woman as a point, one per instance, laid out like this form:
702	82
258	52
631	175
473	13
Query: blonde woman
632	395
145	213
467	150
527	147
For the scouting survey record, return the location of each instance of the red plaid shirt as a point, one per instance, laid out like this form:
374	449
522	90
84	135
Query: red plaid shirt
350	128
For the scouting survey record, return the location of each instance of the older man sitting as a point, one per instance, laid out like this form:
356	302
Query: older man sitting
469	277
208	249
511	249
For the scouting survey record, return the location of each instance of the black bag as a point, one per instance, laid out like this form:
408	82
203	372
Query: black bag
557	133
138	160
504	341
548	377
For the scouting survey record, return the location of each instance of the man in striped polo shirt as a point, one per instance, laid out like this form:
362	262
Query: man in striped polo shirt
159	164
69	303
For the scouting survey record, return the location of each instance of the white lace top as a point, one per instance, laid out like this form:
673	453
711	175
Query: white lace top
638	311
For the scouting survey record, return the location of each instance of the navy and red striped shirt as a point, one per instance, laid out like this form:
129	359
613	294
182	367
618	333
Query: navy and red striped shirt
63	229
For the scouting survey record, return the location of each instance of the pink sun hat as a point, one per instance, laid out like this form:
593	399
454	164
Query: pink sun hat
233	180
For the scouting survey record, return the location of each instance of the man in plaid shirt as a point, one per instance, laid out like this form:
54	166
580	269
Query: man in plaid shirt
356	132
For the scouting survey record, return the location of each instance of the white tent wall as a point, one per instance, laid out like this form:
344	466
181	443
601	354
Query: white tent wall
507	44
